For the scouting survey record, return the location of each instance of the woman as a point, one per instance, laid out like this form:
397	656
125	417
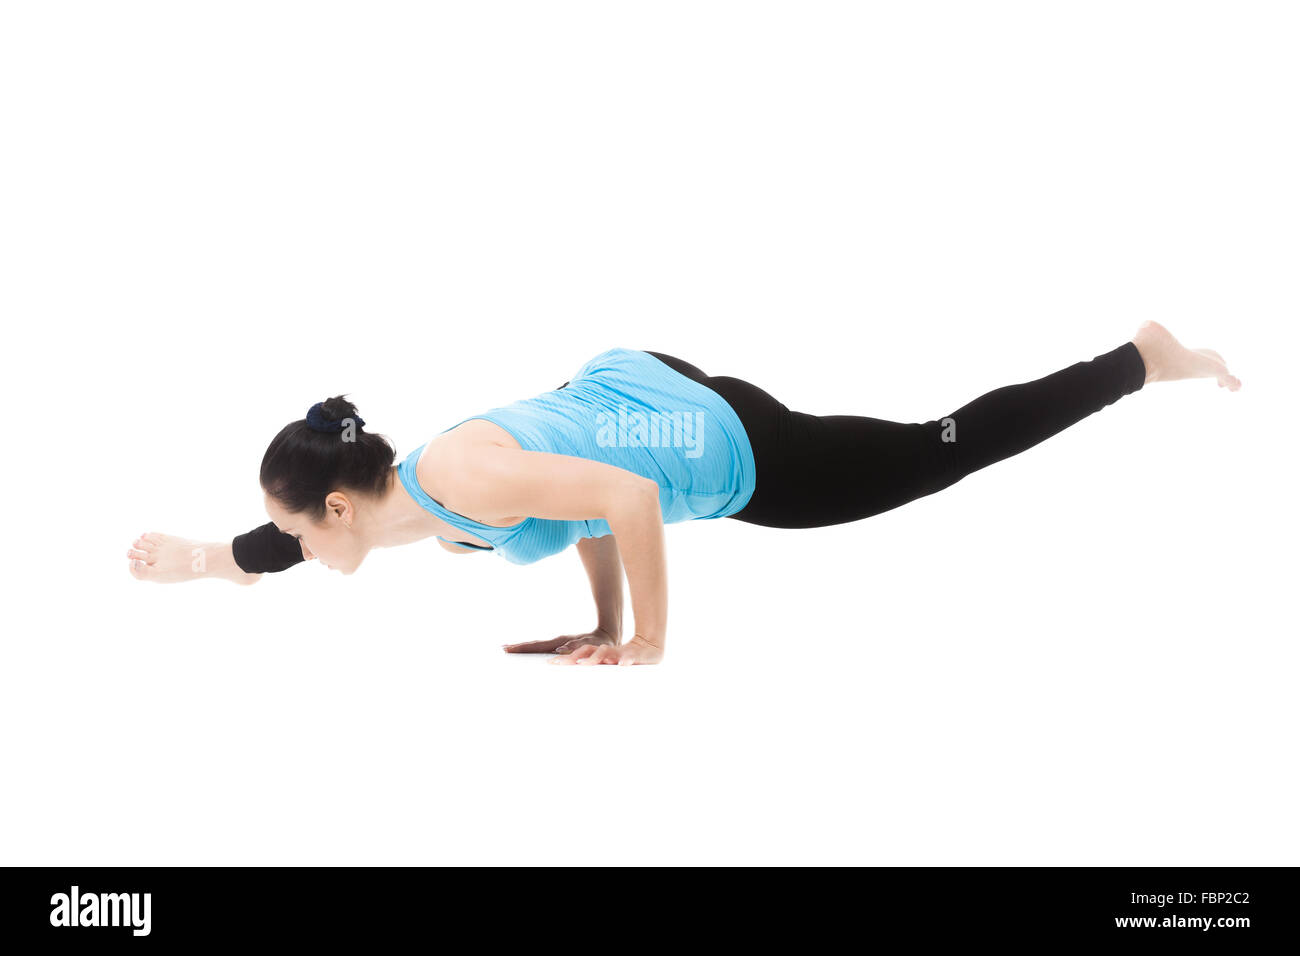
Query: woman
636	440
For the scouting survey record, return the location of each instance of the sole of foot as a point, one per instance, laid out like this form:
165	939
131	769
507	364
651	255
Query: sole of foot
166	559
1168	360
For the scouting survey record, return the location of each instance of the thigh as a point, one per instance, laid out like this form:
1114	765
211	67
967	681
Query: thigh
817	470
831	469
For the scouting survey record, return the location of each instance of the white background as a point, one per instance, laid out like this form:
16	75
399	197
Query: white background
214	215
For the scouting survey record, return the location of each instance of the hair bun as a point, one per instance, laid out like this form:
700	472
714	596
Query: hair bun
332	415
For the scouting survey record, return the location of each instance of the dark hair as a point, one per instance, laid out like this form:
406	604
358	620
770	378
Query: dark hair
324	452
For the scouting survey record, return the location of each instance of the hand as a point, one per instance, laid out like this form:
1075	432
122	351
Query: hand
563	645
639	650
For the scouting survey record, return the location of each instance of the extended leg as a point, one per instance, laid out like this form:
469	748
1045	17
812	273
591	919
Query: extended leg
167	559
266	549
823	470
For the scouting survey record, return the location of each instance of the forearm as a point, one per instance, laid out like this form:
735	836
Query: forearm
638	525
604	568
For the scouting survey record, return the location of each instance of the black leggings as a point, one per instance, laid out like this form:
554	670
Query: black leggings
816	470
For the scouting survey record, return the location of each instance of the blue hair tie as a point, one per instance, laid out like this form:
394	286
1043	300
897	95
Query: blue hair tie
317	421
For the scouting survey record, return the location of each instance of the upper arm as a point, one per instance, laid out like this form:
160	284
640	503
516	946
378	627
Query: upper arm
494	482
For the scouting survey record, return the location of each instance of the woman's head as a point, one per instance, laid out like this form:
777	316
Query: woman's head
317	472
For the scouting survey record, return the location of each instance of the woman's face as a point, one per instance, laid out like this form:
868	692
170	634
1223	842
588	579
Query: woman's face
332	541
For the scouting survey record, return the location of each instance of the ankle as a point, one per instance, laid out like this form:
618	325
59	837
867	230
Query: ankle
217	560
1147	354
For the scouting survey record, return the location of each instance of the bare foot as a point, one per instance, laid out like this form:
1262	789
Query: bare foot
1168	360
165	559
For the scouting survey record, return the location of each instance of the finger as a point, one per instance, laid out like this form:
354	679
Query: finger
602	653
589	654
573	643
628	657
534	647
144	556
583	641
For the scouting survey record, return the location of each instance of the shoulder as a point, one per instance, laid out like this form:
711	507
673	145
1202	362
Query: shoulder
437	467
456	459
463	474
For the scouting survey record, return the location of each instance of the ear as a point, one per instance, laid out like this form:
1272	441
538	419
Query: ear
338	504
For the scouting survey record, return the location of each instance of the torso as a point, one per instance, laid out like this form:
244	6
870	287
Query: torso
476	431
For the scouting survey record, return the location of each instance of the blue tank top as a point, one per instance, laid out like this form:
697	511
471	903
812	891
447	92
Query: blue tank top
625	408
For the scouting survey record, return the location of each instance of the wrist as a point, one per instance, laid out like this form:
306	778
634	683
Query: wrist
649	639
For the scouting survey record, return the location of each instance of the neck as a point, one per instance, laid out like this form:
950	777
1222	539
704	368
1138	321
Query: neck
395	519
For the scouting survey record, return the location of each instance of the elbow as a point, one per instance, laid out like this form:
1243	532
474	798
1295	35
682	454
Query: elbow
647	491
634	497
